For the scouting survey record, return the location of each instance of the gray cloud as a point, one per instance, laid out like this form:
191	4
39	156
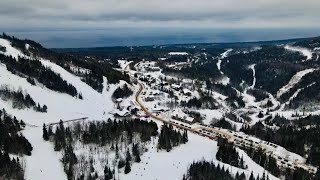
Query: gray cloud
70	15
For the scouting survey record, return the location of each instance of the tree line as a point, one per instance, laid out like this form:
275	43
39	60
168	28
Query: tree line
169	137
20	100
122	92
204	170
35	70
227	153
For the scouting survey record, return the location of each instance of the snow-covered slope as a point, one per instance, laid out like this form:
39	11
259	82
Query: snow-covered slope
306	52
10	51
44	162
293	81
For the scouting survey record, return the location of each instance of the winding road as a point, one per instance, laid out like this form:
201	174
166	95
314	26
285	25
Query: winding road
240	140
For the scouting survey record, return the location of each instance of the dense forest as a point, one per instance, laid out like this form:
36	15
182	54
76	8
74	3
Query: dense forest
200	71
310	43
169	138
12	142
227	153
274	67
122	92
204	170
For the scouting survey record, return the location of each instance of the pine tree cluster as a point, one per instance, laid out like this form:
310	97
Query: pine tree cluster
170	138
228	154
20	100
11	141
266	161
122	92
204	170
10	168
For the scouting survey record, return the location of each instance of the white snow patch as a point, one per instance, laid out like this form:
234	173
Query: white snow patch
27	46
178	53
225	54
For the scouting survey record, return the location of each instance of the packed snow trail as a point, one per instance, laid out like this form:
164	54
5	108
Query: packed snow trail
222	56
293	81
44	163
254	76
295	94
225	80
306	52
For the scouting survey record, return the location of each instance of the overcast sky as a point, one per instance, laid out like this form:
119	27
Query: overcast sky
49	21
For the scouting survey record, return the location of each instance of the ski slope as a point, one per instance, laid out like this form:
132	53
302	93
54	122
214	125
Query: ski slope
306	52
10	51
44	163
222	56
254	75
293	81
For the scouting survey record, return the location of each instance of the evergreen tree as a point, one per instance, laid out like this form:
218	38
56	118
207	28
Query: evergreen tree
45	133
251	176
127	167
